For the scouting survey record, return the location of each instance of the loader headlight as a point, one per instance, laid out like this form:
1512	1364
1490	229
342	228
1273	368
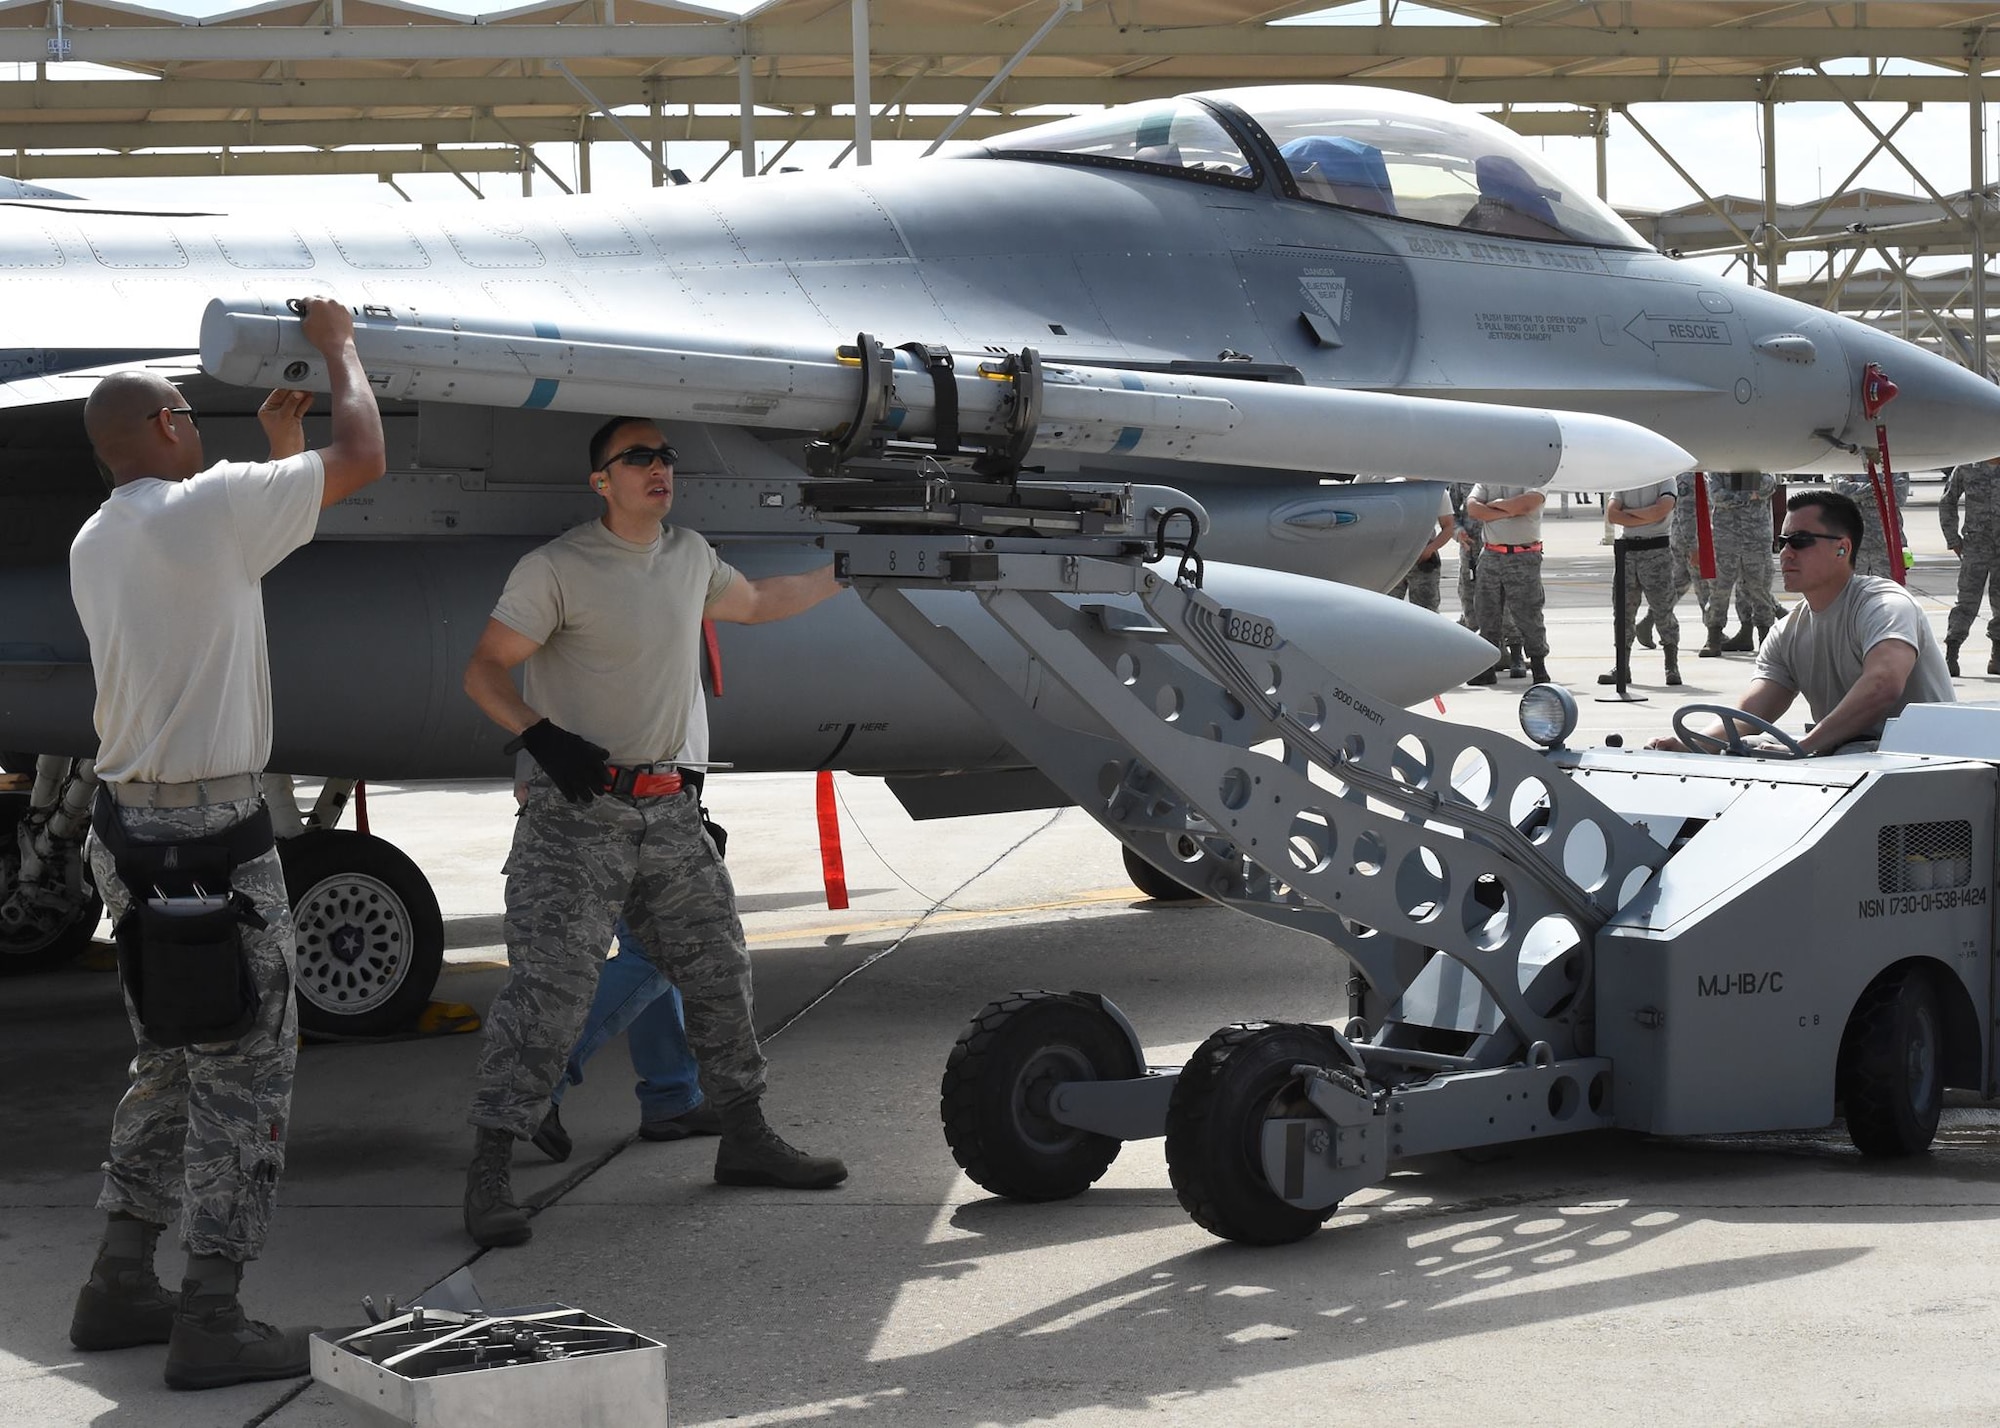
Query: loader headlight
1548	714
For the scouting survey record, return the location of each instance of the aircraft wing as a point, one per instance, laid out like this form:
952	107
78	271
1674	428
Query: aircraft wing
73	384
917	393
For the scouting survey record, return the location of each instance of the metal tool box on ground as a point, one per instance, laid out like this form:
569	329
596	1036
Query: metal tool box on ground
514	1368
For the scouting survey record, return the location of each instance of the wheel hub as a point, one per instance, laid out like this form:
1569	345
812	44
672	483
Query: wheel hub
354	940
347	942
1036	1084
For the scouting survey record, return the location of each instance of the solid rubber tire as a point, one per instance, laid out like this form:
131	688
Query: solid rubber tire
325	855
1228	1088
1011	1053
1892	1106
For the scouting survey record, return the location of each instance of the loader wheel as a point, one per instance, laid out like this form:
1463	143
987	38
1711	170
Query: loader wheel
370	938
1159	886
997	1082
1891	1075
1238	1079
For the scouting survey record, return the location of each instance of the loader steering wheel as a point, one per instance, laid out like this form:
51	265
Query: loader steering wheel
1732	742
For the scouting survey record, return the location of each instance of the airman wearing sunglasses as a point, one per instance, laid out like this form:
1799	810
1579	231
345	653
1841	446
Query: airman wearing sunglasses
167	578
605	624
1857	646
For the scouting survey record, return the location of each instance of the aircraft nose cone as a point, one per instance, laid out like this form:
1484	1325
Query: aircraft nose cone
1942	414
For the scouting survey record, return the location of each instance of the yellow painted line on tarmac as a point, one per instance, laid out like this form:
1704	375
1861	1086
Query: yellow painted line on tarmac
1095	898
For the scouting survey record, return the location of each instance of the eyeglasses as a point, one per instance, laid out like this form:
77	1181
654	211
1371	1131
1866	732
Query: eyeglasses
1800	540
188	412
641	458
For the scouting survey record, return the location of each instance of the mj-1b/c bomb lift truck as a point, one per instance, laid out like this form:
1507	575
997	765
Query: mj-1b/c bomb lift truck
1546	941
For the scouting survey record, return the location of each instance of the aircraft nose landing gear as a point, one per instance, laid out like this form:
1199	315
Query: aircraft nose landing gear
48	910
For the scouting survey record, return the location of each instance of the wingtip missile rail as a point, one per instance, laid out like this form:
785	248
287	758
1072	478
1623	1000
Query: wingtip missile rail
869	395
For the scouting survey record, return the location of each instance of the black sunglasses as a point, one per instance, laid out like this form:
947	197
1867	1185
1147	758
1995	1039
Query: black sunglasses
641	458
1800	540
188	412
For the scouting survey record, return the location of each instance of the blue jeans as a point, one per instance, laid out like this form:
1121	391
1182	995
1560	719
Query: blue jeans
631	993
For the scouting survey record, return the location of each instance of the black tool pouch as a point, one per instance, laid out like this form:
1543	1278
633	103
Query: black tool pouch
180	946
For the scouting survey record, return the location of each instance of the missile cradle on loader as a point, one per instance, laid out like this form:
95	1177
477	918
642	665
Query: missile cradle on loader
1541	941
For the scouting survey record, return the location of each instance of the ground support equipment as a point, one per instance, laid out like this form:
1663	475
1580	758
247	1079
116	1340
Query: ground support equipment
1460	877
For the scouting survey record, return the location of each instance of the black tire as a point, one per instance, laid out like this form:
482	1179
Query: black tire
994	1097
1891	1076
370	937
43	948
1159	886
1237	1079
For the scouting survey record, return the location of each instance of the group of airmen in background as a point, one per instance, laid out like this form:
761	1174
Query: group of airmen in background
1498	534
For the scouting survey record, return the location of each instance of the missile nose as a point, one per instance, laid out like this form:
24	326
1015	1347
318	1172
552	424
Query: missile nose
1942	413
1601	453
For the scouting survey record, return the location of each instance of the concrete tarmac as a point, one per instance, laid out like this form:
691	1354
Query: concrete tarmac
1606	1279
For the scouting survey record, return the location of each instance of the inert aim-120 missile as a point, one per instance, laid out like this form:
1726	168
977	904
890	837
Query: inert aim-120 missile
1048	406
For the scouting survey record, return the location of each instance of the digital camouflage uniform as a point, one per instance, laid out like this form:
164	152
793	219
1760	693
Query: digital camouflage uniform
1977	484
573	868
1468	566
1874	557
202	1129
1739	509
1650	573
1683	539
1424	584
1509	584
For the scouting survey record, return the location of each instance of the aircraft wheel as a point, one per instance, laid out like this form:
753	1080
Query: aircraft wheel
1891	1075
1237	1079
995	1095
1159	886
38	943
370	937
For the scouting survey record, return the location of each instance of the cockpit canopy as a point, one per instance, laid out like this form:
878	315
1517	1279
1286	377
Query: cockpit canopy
1376	150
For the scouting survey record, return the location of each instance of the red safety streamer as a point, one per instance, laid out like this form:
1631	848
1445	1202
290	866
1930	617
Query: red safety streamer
711	647
360	807
832	868
1704	534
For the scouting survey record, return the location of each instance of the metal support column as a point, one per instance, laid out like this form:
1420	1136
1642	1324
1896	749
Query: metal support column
659	143
864	114
746	118
1769	232
1975	213
1603	135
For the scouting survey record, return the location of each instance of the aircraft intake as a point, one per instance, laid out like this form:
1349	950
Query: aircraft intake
1017	403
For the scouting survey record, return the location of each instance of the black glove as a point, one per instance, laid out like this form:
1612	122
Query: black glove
574	764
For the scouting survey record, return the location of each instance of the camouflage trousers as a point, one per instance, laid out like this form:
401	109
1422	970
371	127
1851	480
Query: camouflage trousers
1510	586
1423	585
1468	595
1978	574
1650	574
1874	557
573	870
1743	564
202	1129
